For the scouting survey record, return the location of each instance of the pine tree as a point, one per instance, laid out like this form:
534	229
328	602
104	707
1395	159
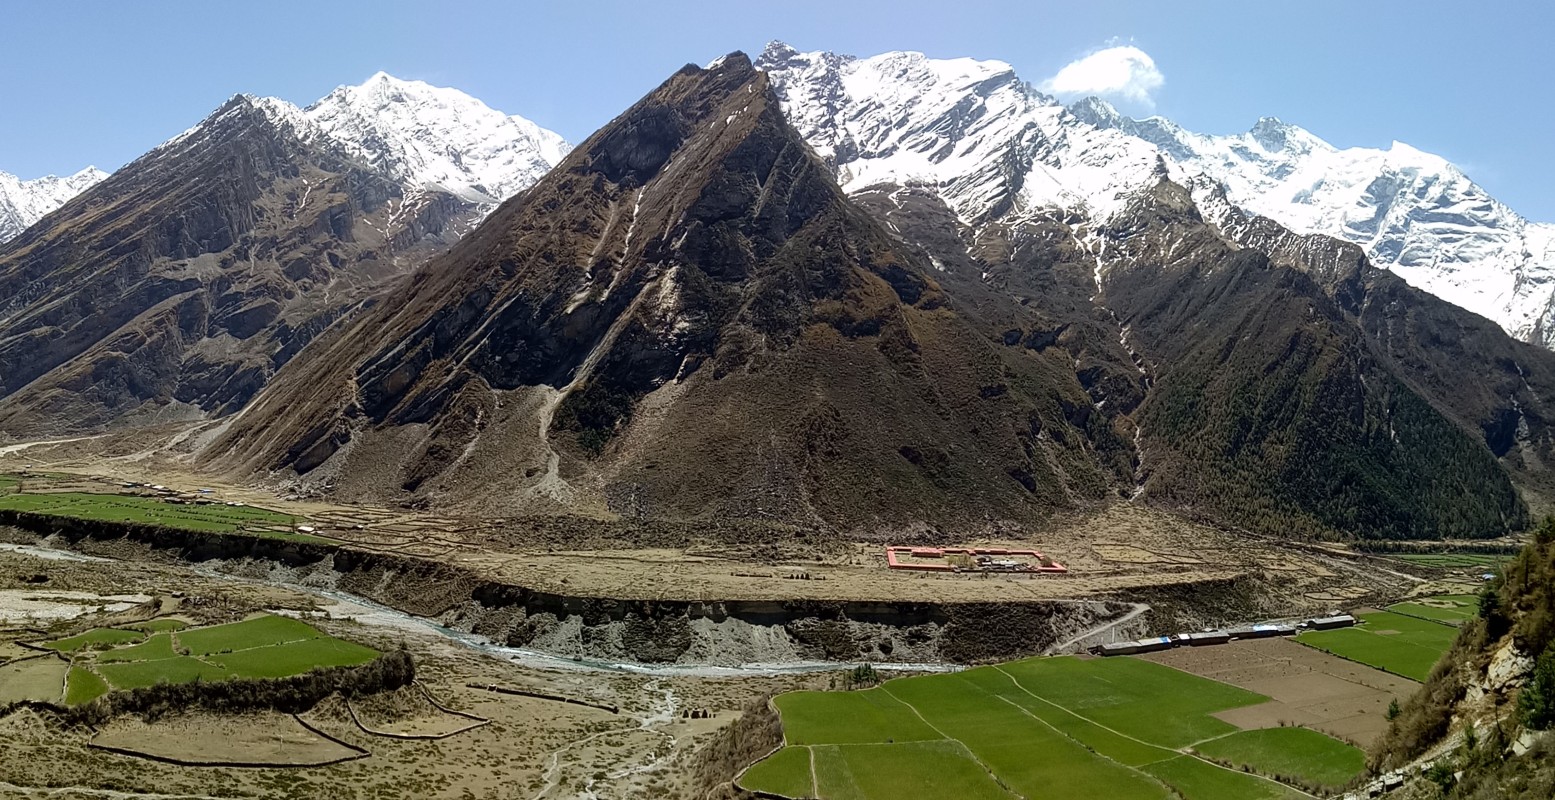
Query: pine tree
1537	701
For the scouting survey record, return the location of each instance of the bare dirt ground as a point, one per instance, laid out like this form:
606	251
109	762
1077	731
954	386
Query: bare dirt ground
405	712
32	678
1306	686
531	749
264	738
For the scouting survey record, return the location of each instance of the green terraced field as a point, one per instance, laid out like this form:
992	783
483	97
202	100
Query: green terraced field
910	769
1065	727
261	647
161	624
138	674
130	508
1196	780
99	637
869	716
1138	698
256	632
83	685
159	646
786	772
279	661
1395	643
1300	752
1453	609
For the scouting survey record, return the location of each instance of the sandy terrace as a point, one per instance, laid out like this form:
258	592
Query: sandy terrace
672	575
38	606
1108	551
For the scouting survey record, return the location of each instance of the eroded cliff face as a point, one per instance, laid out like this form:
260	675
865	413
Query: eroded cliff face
177	287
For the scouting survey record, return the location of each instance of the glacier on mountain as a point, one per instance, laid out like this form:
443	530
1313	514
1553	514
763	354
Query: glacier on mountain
23	203
992	145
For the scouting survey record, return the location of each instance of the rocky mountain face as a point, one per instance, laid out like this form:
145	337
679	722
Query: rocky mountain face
687	318
990	142
23	203
1260	374
174	289
690	318
1413	213
875	296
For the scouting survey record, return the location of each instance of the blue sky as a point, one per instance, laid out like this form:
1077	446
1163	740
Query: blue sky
102	82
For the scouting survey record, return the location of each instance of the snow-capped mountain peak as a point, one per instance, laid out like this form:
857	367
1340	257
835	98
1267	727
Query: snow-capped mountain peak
1275	136
1414	212
988	141
422	136
23	203
432	136
990	145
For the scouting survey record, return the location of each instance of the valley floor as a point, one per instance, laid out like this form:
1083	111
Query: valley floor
1111	552
531	748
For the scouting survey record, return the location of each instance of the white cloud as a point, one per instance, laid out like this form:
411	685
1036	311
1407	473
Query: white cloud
1121	72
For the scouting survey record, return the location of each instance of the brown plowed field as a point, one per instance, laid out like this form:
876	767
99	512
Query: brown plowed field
1308	687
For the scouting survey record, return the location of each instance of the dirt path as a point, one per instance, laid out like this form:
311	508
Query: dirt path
17	448
1139	608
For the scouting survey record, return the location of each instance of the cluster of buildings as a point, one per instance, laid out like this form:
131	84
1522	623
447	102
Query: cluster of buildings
1259	631
971	559
199	497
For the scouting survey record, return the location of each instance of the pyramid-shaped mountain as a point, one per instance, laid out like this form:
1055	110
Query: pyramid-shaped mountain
686	318
174	289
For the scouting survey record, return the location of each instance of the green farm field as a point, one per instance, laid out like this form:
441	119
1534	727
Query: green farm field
256	632
1063	727
83	686
1403	645
97	638
266	646
1453	560
1300	752
1453	609
151	510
